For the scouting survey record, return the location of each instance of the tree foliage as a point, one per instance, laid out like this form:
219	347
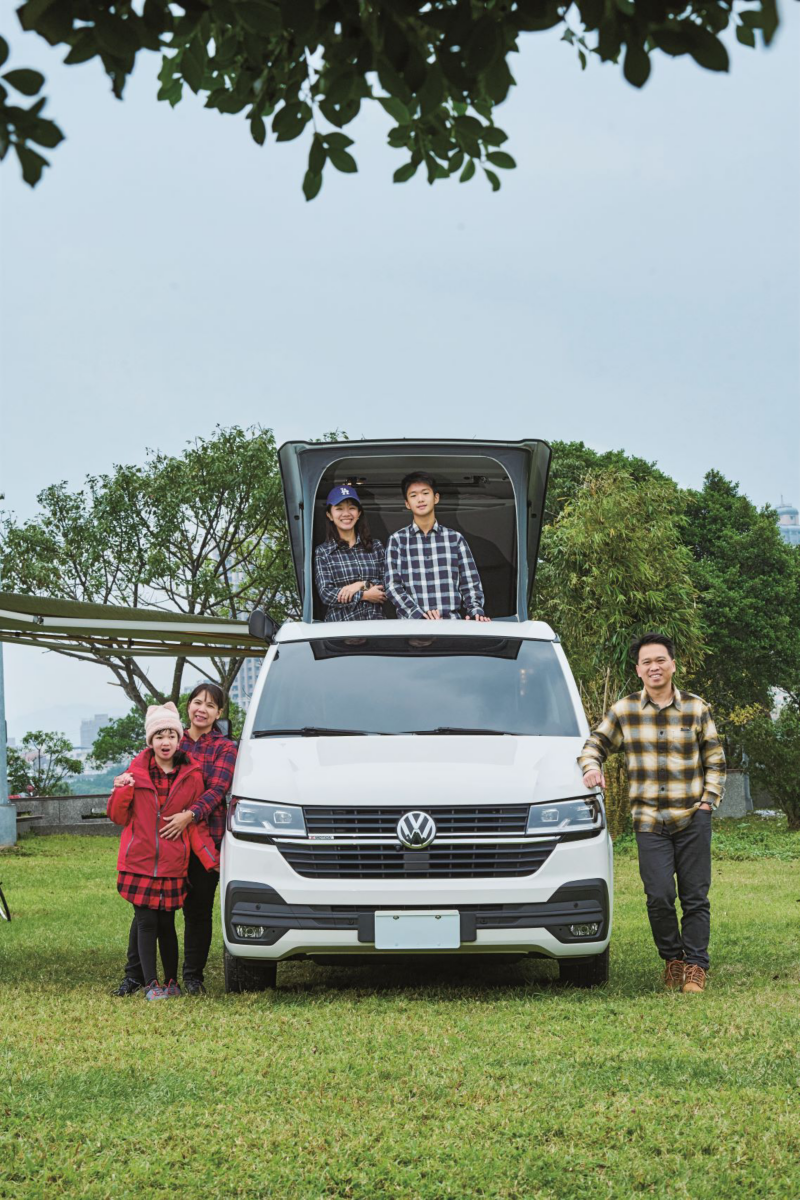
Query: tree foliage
123	738
42	763
202	533
748	584
437	67
613	565
772	746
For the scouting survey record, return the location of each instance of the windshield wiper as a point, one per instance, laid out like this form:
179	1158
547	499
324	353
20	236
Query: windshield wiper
455	729
310	731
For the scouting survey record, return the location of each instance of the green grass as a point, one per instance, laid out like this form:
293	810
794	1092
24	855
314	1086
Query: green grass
409	1082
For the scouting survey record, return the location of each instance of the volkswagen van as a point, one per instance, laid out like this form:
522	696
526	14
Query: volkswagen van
411	788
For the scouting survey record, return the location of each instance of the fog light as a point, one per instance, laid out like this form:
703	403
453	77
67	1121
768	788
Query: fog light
588	929
249	931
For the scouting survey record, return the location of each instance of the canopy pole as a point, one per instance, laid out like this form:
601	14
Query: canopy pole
8	813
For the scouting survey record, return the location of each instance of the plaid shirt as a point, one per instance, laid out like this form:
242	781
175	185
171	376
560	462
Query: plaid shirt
336	565
432	570
216	756
673	754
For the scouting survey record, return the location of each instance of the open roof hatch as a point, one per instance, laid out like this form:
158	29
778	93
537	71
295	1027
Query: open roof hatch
492	492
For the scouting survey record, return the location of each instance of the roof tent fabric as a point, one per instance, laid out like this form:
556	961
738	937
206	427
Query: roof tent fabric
113	630
493	492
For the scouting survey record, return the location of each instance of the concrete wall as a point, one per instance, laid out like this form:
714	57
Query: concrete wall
64	814
737	801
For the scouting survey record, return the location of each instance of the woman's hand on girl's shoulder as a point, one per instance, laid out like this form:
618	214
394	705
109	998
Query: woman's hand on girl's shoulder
124	780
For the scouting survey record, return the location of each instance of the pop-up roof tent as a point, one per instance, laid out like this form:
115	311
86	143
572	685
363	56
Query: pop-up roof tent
492	492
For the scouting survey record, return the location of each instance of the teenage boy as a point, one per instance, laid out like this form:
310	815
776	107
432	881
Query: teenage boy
676	775
430	571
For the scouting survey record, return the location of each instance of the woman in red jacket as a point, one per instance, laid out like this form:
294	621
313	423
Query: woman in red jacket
161	781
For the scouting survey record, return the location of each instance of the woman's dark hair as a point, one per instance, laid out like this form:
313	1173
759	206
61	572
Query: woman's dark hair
215	692
650	639
417	477
362	530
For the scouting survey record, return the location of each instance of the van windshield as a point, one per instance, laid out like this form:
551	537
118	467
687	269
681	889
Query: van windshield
422	685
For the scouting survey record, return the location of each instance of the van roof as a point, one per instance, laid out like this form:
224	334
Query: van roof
301	631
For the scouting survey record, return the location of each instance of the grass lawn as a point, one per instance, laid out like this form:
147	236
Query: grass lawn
417	1082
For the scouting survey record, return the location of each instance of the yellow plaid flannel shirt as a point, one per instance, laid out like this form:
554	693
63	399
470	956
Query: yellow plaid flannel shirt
673	754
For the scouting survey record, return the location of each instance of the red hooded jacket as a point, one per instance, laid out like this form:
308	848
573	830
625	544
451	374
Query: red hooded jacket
142	850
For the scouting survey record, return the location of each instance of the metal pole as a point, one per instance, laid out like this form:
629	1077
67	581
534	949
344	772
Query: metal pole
8	813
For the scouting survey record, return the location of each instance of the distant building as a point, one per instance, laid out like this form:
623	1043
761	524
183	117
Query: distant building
90	729
241	690
789	523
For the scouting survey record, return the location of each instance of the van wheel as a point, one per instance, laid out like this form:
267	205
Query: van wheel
248	975
584	972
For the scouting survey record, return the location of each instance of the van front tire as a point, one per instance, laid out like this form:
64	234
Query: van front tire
248	975
584	972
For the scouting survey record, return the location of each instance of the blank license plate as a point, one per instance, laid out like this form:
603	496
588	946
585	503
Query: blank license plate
435	930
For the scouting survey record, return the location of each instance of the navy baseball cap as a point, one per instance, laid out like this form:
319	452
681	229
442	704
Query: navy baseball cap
343	492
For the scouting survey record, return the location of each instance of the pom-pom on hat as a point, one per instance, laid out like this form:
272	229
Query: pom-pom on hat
162	716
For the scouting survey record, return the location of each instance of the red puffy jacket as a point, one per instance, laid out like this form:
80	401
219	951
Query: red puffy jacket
142	850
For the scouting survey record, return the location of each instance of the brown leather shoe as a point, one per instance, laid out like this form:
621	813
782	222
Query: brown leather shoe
694	978
674	973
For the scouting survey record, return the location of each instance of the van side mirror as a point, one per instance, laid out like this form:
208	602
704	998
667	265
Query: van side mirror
224	726
261	625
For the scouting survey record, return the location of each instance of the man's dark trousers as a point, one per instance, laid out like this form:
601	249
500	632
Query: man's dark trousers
198	913
687	855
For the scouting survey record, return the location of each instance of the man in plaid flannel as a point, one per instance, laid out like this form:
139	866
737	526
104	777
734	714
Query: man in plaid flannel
430	572
676	776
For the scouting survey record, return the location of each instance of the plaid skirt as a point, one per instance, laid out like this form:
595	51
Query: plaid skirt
146	892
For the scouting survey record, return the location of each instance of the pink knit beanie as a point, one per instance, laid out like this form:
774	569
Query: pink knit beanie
162	716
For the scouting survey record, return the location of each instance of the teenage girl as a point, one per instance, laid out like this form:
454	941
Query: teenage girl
161	782
350	564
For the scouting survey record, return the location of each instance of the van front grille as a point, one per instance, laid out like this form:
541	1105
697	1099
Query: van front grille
481	820
384	861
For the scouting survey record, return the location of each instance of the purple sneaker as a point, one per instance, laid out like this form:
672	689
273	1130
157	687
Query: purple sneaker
172	989
154	991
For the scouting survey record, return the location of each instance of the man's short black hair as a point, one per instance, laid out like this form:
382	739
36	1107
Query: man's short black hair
650	639
418	477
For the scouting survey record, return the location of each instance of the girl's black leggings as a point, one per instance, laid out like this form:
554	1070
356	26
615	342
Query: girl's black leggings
155	926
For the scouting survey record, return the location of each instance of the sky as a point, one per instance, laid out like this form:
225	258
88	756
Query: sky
635	284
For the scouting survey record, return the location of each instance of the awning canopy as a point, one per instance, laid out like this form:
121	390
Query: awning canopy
107	629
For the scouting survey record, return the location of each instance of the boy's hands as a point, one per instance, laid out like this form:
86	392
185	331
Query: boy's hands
375	594
478	617
433	614
124	780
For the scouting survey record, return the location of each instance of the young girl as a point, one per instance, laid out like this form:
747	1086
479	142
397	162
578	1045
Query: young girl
350	564
161	781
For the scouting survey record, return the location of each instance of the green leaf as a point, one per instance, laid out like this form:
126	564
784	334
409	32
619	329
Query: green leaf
115	36
636	67
3	51
316	155
404	173
259	18
192	70
26	81
497	80
336	141
32	164
470	126
432	92
340	113
492	136
312	182
499	158
493	180
343	161
299	16
44	133
746	36
706	49
290	121
84	47
484	45
436	170
258	130
395	108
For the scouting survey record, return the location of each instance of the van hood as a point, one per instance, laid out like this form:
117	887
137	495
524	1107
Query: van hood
421	771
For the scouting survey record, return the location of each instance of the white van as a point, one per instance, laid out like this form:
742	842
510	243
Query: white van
412	788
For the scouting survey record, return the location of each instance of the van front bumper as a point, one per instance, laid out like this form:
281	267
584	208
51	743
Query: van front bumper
270	912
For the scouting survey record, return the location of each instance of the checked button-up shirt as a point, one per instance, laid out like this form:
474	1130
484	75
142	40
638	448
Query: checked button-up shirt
216	756
336	565
432	570
673	754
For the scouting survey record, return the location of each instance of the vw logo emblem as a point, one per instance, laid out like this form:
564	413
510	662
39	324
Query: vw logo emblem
416	830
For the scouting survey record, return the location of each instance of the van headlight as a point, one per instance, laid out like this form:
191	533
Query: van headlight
582	815
256	818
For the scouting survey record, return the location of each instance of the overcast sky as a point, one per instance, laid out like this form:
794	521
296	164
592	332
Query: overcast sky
635	284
